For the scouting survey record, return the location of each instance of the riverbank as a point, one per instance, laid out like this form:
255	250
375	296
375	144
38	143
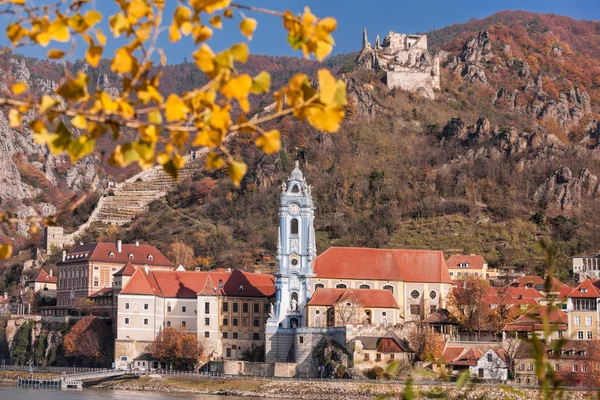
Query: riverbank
322	390
309	390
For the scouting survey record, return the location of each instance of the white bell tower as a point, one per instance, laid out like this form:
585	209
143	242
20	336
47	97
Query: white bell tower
295	252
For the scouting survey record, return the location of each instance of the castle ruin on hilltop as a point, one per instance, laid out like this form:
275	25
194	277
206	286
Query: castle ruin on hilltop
404	60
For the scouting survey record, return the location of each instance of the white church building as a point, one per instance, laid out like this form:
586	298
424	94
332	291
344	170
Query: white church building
343	289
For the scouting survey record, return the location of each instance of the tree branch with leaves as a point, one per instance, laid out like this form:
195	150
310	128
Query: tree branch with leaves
72	119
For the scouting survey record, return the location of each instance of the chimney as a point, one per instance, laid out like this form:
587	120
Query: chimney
64	256
51	273
81	243
119	245
146	269
137	243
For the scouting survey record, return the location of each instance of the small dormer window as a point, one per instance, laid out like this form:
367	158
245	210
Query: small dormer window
150	258
220	283
463	265
131	256
112	255
583	290
241	288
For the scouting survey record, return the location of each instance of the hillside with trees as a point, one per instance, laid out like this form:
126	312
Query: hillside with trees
505	156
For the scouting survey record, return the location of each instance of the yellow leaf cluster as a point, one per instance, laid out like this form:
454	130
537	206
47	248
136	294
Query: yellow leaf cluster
308	33
71	120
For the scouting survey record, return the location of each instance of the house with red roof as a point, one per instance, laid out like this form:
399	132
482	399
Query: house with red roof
225	309
535	320
481	361
462	266
582	306
331	307
418	279
43	282
88	268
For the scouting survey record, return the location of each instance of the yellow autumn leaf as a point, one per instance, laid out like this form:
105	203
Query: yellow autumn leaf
327	86
236	171
247	27
123	155
269	142
201	33
92	17
14	118
149	133
179	138
94	55
100	36
5	251
261	83
322	50
19	88
122	62
325	118
213	161
59	31
216	22
175	108
80	147
174	34
204	58
79	121
209	6
119	24
240	52
227	13
55	54
238	88
46	103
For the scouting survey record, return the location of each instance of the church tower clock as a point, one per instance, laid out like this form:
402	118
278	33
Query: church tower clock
295	252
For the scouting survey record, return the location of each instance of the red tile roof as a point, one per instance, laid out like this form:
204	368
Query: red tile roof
188	284
105	292
44	277
587	289
372	298
127	270
532	320
101	252
538	283
473	261
460	356
382	264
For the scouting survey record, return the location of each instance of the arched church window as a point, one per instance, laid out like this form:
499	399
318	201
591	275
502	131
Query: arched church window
319	285
340	286
295	189
389	287
294	323
364	287
294	226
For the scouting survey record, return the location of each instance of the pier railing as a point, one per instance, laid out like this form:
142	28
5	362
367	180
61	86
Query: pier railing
67	370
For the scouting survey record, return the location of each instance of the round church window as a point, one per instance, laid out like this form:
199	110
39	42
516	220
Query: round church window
415	294
317	312
294	261
432	294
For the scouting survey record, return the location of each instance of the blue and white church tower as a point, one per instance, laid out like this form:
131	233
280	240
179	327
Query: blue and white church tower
295	252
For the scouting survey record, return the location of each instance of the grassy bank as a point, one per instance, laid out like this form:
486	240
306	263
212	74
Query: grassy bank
322	390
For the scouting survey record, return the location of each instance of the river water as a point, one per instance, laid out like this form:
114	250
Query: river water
17	393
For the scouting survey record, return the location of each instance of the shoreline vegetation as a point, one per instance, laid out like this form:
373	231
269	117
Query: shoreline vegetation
285	389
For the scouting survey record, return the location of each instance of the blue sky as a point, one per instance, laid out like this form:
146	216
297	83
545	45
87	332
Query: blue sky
377	16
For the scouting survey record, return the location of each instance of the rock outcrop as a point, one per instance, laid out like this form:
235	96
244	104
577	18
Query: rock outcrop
563	192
